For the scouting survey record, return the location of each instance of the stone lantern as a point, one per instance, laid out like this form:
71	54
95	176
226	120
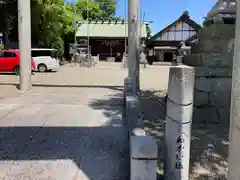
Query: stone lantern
212	57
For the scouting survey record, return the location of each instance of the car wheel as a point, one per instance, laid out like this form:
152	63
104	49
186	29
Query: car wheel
42	67
16	70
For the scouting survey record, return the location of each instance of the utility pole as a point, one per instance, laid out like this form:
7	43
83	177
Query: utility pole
133	37
24	34
75	23
75	32
88	39
234	147
138	48
125	26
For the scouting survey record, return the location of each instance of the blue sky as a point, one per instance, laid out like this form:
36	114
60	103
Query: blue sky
164	12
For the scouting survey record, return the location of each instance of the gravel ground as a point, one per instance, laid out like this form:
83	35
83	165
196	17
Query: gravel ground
209	142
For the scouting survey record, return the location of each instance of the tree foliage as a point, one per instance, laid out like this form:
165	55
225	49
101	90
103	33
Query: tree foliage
97	9
149	32
8	14
53	20
107	9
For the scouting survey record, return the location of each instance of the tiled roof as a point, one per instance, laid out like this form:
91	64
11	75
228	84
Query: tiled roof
107	29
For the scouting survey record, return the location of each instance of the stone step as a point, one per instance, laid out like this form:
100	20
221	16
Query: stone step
213	60
220	31
213	72
213	46
218	99
210	115
213	84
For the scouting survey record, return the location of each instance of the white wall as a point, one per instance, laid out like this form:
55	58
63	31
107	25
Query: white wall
177	32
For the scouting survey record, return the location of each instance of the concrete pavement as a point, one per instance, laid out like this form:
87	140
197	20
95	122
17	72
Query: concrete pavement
69	126
59	136
105	73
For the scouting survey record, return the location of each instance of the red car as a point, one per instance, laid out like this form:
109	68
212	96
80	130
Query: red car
10	61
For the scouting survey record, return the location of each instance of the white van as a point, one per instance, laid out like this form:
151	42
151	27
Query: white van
45	59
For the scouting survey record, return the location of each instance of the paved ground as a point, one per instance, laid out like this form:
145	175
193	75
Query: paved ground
69	126
153	77
54	136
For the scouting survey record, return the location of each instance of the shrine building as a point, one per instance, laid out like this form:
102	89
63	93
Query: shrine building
107	38
165	42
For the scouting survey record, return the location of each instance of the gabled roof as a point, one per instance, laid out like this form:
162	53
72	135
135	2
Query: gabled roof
191	39
184	18
112	29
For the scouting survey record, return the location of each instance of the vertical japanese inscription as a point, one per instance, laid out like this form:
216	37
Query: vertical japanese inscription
179	152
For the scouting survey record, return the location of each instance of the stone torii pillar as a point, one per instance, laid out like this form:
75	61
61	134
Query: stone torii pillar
217	81
24	36
234	135
228	10
133	42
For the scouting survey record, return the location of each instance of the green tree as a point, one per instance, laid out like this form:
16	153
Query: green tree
52	20
97	9
149	32
8	20
88	9
107	8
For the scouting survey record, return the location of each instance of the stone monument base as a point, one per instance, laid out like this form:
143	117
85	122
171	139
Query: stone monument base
212	56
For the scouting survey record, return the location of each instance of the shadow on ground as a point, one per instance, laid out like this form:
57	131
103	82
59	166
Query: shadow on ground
8	73
152	108
114	114
209	144
99	153
111	87
96	152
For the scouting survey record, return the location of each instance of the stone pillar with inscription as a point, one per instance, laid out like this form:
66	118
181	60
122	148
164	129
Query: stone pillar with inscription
178	122
212	57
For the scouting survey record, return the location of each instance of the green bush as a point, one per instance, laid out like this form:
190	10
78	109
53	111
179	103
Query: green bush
1	46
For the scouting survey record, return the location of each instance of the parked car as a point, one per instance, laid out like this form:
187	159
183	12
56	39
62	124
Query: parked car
46	59
10	61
